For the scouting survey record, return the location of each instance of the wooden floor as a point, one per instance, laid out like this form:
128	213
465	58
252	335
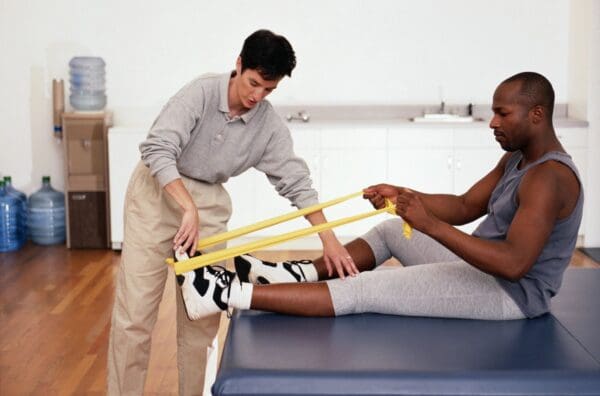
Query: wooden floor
55	307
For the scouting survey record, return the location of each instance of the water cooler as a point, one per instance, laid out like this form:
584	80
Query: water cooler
86	178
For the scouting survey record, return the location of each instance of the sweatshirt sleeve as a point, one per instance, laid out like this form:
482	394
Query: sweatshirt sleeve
286	171
167	137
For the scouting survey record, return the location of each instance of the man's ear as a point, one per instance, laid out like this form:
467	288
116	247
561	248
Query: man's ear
238	65
537	114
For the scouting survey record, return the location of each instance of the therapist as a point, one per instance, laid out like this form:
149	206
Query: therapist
215	127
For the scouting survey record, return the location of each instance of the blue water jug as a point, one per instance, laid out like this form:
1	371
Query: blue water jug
87	78
9	221
46	215
22	221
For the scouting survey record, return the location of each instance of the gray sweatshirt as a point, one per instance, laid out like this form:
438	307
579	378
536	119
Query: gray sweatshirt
194	136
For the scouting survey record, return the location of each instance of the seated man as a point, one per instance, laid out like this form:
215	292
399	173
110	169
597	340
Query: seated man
509	268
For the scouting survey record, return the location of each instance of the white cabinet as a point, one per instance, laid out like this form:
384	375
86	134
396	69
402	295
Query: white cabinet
255	199
421	159
352	159
574	141
269	203
242	190
441	159
344	158
476	153
123	156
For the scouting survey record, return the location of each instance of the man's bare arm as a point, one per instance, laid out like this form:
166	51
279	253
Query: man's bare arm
540	203
452	209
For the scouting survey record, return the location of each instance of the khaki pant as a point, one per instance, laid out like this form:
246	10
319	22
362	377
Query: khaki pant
152	218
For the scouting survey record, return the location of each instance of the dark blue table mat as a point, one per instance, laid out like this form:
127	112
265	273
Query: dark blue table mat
577	307
380	354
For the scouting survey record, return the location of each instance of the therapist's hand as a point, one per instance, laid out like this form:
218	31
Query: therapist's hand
337	257
186	238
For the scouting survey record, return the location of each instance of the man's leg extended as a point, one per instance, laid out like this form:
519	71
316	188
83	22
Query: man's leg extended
386	241
379	244
443	286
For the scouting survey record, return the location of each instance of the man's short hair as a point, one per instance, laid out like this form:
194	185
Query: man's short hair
269	54
535	90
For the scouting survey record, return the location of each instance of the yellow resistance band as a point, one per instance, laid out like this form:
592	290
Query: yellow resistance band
225	236
224	254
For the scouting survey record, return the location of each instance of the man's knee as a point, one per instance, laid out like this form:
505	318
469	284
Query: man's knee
391	227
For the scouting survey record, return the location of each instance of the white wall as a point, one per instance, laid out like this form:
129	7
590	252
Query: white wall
579	58
585	93
349	52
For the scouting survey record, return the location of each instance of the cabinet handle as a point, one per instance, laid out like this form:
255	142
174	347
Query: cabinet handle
78	197
86	143
458	164
449	162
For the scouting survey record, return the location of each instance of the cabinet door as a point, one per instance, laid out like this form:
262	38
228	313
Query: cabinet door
85	143
470	165
123	156
87	219
270	204
242	191
476	153
579	156
425	170
267	203
352	159
574	140
421	158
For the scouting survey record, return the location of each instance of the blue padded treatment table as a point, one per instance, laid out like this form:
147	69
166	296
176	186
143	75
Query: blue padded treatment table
371	354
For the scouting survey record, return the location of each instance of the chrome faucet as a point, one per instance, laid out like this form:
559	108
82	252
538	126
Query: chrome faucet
301	116
442	107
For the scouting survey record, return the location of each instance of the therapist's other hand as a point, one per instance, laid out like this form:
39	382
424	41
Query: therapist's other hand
186	238
337	257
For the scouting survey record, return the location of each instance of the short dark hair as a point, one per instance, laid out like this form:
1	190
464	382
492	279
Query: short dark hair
269	54
535	90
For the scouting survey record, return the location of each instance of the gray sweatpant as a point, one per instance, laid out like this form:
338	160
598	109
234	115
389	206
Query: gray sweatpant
434	282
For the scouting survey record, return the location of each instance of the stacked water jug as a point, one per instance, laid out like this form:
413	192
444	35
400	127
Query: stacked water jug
46	215
87	78
13	211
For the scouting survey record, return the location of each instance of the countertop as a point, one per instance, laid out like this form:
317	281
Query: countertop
344	116
400	115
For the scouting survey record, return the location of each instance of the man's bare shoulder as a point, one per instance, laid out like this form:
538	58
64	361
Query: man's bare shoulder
553	169
557	181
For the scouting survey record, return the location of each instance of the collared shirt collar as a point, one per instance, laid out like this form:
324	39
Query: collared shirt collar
224	100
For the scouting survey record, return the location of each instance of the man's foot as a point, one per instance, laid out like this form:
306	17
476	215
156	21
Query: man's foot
250	269
205	290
